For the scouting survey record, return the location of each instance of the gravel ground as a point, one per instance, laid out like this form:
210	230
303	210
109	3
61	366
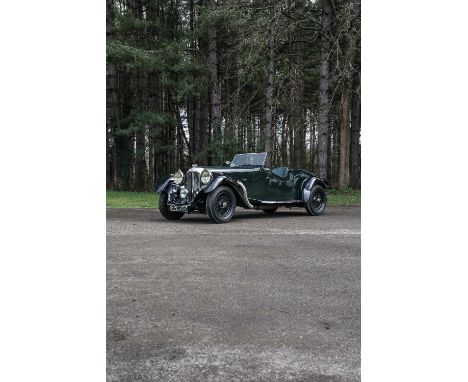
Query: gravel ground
262	298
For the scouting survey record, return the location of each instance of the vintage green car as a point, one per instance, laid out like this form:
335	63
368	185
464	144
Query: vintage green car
245	182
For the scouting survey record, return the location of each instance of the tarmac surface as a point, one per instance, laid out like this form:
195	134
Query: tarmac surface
261	298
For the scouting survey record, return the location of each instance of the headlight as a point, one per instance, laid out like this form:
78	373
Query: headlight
178	177
205	176
183	192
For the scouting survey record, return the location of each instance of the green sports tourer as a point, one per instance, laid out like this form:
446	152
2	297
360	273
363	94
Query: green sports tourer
245	182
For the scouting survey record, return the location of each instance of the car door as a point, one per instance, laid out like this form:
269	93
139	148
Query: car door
279	184
256	188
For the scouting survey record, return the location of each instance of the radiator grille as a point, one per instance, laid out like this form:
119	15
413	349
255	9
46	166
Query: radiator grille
193	184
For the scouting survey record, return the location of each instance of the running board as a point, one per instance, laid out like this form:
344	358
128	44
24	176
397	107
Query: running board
265	203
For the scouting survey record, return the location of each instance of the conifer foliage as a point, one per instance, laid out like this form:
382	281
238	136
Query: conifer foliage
197	81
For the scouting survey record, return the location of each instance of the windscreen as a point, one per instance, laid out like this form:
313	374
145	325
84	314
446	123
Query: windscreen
251	159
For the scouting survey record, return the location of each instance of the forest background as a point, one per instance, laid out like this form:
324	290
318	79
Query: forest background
199	81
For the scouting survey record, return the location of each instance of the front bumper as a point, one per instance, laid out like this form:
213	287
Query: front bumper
191	203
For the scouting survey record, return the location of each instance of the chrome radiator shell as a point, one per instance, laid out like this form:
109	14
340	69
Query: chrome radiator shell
193	184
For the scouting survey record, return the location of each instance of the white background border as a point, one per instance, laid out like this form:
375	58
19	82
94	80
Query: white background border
52	271
414	190
414	212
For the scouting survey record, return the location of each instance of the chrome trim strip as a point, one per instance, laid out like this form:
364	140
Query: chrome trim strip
196	169
278	201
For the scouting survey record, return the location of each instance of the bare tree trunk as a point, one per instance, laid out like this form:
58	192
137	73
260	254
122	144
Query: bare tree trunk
253	126
181	138
215	94
241	136
261	132
151	183
123	142
112	106
197	131
324	104
355	144
343	171
201	124
202	109
313	145
298	149
355	162
140	163
348	55
157	130
291	142
269	131
284	142
191	126
171	135
331	150
191	99
248	140
110	127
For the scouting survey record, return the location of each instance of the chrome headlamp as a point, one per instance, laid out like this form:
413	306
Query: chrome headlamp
183	192
178	177
206	176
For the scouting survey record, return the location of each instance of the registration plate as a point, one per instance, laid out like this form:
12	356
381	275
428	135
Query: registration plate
178	208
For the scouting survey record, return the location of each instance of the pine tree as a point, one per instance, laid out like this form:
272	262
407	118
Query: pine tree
198	81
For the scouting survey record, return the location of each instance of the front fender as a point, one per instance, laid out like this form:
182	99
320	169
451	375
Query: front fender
223	180
164	184
216	182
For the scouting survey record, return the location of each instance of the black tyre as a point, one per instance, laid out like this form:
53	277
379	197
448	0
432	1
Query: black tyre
221	205
164	208
270	211
317	201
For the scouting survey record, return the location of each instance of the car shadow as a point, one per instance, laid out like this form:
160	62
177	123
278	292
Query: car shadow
153	215
254	215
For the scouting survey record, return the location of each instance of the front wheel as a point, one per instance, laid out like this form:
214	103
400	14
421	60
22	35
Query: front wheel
221	204
317	201
164	208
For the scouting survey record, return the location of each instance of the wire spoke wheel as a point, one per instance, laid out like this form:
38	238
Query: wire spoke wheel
223	204
317	201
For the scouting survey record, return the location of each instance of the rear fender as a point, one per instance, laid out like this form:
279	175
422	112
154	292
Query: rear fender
310	183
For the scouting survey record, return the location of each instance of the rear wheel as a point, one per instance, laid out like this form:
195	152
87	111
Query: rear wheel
164	208
317	201
221	204
270	211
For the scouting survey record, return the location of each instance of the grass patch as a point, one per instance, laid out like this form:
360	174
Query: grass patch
124	199
344	198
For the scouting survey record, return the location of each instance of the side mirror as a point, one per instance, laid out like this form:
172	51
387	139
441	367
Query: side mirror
227	163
